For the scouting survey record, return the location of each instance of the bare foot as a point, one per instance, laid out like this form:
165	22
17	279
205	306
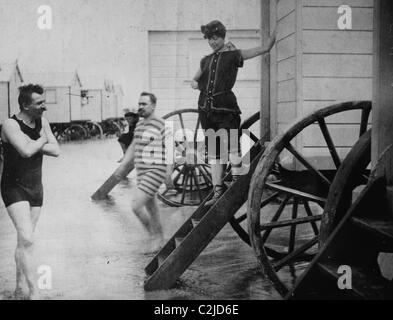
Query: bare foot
33	296
20	294
156	243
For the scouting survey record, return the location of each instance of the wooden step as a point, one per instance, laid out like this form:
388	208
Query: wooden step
195	222
196	233
161	258
389	196
380	229
365	284
178	241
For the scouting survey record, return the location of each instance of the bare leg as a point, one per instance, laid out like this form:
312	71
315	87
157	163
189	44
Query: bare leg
152	209
21	217
35	215
236	162
217	171
123	147
158	235
138	203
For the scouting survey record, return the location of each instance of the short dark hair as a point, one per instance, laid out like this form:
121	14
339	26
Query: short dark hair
153	98
131	114
25	93
214	28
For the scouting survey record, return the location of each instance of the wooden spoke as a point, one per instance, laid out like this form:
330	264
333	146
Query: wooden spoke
253	137
309	213
186	175
269	199
329	142
294	254
292	234
196	129
197	184
364	121
176	179
287	223
182	126
308	165
296	193
191	177
205	175
276	217
241	218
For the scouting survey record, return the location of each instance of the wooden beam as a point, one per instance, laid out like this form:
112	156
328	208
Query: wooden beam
382	135
265	73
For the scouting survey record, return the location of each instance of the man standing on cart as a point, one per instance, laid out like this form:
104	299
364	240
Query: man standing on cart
217	104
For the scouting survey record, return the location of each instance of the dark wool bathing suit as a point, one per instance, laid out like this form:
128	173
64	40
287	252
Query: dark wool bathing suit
22	177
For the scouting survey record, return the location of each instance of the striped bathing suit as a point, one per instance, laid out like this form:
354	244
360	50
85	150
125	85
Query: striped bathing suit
150	157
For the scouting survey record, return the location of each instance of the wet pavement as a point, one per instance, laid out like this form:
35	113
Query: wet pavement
96	250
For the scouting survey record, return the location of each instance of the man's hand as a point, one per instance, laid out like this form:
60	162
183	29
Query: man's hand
272	39
194	85
43	134
169	183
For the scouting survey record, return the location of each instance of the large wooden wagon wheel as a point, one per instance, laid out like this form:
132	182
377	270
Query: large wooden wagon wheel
352	173
72	133
284	210
111	127
191	175
94	130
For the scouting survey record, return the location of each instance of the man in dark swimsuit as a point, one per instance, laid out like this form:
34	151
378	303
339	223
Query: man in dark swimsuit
26	137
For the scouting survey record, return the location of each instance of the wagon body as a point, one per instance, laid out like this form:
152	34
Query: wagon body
62	94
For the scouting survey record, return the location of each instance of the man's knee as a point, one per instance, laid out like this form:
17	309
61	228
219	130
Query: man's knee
137	205
26	240
151	203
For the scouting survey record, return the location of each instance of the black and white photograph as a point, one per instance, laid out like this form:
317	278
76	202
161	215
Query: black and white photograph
214	150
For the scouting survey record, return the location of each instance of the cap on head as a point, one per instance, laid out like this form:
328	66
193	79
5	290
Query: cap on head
214	28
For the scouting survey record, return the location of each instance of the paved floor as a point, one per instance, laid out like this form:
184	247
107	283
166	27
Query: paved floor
96	250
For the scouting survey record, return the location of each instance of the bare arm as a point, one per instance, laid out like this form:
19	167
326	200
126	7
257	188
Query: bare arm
168	180
127	164
52	147
194	82
25	146
254	52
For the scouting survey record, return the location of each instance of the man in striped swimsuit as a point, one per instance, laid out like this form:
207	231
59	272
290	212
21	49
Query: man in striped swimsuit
148	153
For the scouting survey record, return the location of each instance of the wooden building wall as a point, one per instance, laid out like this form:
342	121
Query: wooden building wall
316	64
59	112
3	101
92	111
75	101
